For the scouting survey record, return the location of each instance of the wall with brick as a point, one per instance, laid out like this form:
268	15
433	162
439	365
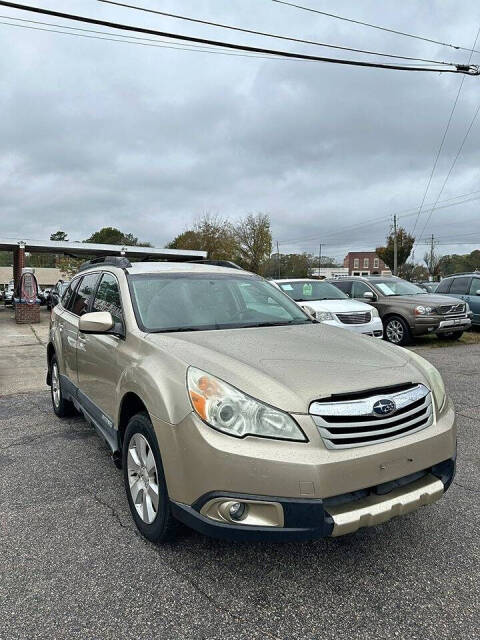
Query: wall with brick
366	262
27	313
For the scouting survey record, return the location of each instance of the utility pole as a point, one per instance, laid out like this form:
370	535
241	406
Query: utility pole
395	247
319	258
432	242
278	261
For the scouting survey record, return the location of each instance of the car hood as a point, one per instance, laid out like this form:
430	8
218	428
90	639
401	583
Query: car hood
336	306
430	299
289	367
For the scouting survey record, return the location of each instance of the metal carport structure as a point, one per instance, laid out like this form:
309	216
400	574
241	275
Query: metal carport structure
78	249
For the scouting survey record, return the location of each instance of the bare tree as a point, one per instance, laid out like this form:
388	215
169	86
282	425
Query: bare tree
254	240
433	262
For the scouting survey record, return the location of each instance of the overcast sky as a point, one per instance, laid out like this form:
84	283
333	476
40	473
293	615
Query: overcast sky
98	133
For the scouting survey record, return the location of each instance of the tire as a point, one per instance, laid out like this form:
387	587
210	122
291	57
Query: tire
451	335
397	331
62	408
142	472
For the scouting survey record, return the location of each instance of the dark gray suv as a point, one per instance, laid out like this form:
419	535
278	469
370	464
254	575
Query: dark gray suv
465	286
407	310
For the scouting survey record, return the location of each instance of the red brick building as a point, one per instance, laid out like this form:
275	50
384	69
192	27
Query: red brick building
365	263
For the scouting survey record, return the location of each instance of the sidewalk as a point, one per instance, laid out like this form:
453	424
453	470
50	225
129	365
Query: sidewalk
22	353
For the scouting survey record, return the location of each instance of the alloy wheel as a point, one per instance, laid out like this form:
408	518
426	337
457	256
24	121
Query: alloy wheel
142	478
395	331
55	385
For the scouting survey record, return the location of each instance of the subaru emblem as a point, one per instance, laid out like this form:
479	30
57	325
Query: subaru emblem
384	407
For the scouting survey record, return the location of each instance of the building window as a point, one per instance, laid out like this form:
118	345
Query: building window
375	263
365	263
356	263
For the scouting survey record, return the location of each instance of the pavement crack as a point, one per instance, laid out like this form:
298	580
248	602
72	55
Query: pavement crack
193	583
466	488
37	337
28	440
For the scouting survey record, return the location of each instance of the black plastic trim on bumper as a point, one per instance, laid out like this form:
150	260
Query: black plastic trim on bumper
305	519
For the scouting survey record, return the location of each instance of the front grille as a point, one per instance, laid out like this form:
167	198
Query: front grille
353	423
448	309
354	318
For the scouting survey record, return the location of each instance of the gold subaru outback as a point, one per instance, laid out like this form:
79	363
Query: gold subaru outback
233	411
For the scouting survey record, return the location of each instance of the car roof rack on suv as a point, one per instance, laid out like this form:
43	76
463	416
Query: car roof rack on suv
218	263
110	261
462	273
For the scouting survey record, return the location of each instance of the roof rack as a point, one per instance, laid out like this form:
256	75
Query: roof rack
107	261
219	263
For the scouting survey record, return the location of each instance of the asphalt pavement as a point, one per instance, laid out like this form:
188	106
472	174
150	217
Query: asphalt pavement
72	564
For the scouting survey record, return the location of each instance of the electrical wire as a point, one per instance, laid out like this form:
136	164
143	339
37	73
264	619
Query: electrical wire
473	70
366	223
439	151
460	148
373	26
133	40
267	34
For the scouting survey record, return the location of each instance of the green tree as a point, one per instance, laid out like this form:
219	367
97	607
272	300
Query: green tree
59	236
111	235
405	243
212	234
254	239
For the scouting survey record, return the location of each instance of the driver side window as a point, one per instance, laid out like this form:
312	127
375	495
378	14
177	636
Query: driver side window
359	288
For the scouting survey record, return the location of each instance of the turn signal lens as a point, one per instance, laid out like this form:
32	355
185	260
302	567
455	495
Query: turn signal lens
229	410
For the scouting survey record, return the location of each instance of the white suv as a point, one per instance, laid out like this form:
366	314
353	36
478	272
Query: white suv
331	306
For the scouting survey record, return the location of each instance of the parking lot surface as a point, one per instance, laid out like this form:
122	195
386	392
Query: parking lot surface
72	564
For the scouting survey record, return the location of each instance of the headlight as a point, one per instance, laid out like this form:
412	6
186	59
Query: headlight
422	311
322	316
434	378
375	313
229	410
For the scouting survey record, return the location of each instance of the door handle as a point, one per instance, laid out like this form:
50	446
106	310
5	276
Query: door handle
60	328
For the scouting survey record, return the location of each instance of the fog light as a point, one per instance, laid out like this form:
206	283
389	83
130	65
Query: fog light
237	510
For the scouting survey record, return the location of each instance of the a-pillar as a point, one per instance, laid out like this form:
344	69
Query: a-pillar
18	262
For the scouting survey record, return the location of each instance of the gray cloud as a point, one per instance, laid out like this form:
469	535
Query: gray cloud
98	133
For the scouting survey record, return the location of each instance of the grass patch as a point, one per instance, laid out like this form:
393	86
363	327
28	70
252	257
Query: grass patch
432	341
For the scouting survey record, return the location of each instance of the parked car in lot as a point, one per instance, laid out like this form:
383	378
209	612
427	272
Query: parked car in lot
232	410
465	286
8	294
328	304
56	293
429	287
407	310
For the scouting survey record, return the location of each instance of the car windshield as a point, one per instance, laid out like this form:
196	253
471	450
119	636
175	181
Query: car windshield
308	290
195	302
398	287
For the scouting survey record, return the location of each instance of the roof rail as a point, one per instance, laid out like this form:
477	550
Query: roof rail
462	273
219	263
110	261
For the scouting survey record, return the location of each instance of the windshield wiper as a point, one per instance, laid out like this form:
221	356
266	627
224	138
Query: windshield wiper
276	324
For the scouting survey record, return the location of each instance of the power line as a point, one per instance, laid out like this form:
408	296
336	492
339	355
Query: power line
373	26
473	70
133	40
451	167
443	138
267	34
366	223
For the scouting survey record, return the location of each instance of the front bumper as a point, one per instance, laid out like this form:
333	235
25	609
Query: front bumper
310	519
373	328
203	462
440	324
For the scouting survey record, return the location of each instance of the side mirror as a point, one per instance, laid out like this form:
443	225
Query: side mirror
477	292
96	322
369	295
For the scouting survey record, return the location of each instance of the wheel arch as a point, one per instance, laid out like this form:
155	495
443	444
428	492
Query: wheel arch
130	404
50	354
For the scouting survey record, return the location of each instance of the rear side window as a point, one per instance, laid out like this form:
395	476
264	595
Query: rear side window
68	295
107	297
475	286
444	286
460	285
346	287
83	294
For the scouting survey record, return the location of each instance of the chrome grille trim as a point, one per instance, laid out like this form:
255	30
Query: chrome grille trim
361	429
452	308
358	317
